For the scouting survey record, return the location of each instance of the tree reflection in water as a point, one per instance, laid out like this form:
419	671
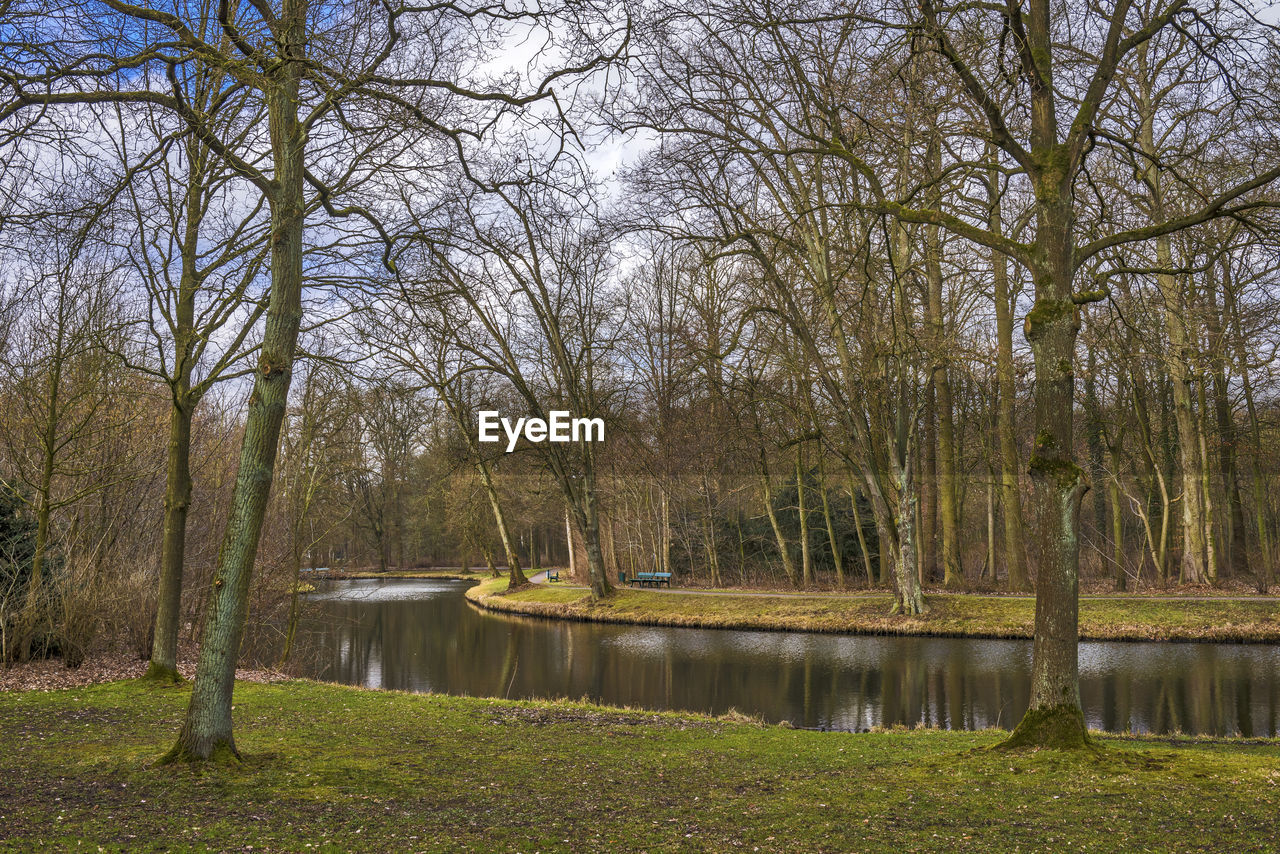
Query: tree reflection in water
424	636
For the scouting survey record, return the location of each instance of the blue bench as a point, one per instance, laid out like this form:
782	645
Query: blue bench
645	579
553	575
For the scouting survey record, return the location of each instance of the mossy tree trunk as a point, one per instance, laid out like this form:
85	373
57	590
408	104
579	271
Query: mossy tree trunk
1054	717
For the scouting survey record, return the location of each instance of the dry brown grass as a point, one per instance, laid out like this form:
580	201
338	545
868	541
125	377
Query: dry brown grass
950	615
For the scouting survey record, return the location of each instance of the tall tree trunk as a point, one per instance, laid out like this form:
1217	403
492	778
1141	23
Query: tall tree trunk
1179	353
587	515
664	506
177	497
515	574
945	451
568	538
1010	493
872	577
1206	486
206	731
784	549
989	565
1093	440
806	556
1261	506
711	491
1054	716
1234	551
909	597
926	484
177	500
837	559
1117	534
1193	569
1158	478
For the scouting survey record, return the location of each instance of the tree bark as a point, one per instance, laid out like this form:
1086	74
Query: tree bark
1054	717
925	519
587	516
909	597
1093	441
1117	522
1178	355
206	732
945	457
177	497
568	537
784	550
1234	551
515	575
1010	493
177	501
1193	569
837	559
1261	507
806	557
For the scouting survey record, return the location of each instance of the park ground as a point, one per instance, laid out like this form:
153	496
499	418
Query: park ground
331	768
1135	618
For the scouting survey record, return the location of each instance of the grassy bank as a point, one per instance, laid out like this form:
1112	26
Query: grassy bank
956	615
454	573
338	769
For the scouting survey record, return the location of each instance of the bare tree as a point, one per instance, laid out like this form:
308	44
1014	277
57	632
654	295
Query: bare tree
326	76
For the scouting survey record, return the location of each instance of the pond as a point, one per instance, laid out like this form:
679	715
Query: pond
422	635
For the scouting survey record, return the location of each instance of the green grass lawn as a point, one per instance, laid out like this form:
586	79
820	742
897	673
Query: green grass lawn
1134	618
339	769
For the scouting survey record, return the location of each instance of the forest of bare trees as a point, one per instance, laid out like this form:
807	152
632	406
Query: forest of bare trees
916	296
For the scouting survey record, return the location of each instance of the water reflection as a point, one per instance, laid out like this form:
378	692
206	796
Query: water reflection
423	636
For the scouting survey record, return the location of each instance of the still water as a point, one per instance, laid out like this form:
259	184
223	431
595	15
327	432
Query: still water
416	635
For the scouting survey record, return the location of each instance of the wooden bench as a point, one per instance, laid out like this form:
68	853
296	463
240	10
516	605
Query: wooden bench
646	579
553	575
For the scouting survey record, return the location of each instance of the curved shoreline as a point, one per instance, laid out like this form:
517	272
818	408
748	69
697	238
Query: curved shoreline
868	615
